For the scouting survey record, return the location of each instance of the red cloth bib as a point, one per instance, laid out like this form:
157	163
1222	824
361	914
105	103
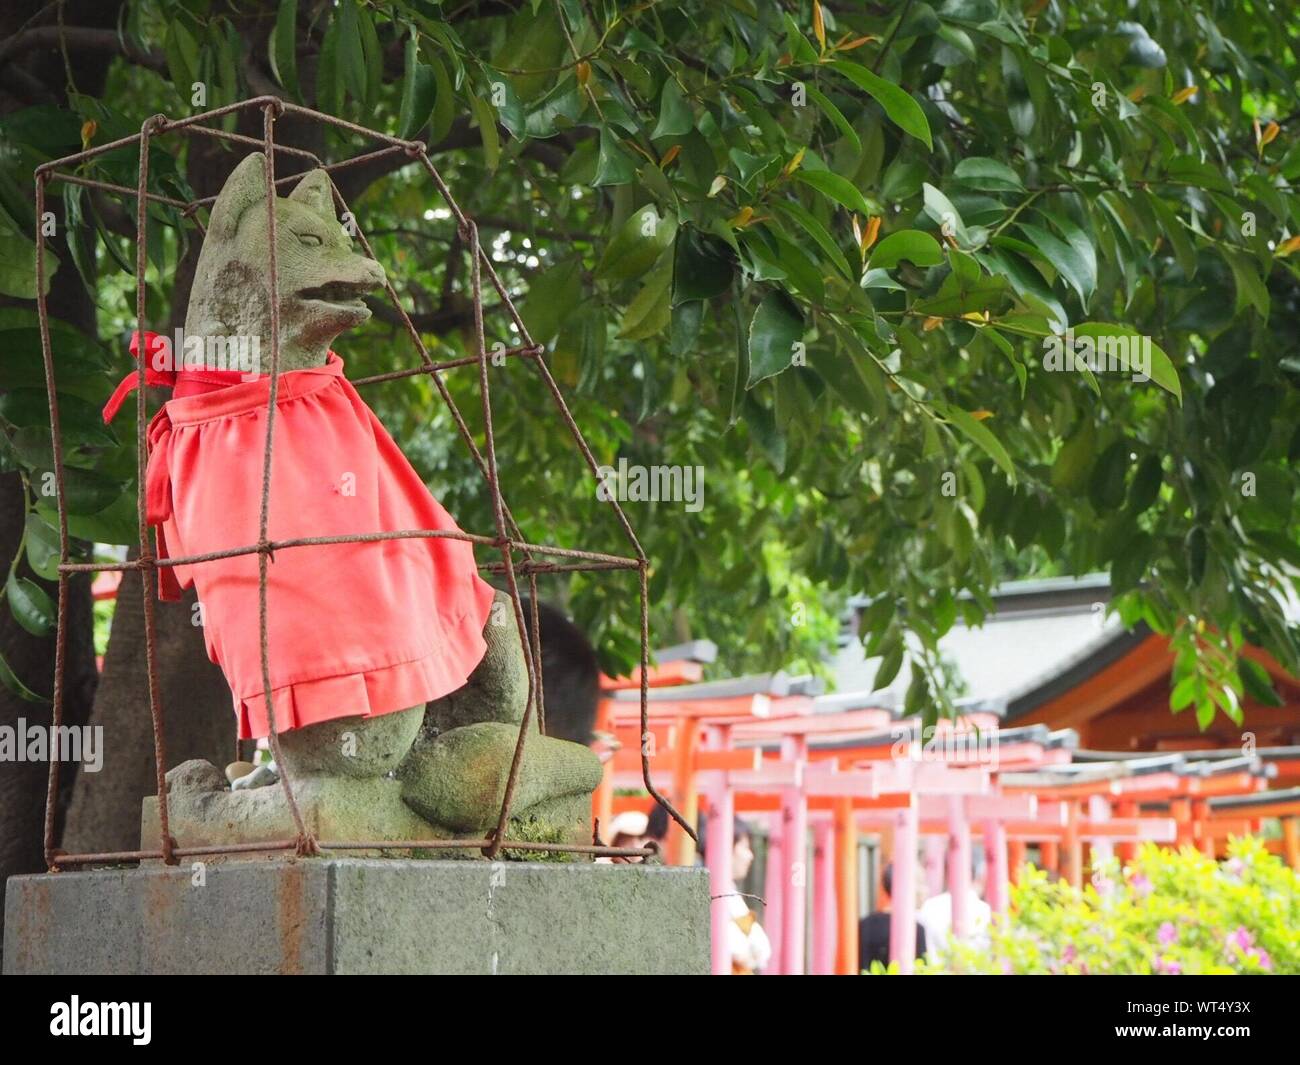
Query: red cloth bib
353	628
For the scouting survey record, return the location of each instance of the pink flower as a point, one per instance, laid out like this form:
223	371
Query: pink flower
1265	962
1241	938
1069	954
1142	886
1168	967
1167	934
1234	867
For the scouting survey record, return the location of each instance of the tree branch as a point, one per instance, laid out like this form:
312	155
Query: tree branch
82	39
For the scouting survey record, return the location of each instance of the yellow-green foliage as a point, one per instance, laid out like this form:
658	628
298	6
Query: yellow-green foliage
1167	912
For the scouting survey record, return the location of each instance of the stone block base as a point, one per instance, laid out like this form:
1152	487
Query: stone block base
358	915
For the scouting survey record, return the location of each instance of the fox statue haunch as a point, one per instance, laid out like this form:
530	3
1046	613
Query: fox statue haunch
361	635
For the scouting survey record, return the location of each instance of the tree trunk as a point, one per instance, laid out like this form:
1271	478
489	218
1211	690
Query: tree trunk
23	784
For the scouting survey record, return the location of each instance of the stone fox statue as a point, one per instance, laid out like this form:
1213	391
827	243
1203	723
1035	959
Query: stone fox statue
386	657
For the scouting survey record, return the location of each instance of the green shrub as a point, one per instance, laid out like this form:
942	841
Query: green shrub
1167	912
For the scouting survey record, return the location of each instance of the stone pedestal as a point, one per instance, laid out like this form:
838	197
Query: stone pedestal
358	915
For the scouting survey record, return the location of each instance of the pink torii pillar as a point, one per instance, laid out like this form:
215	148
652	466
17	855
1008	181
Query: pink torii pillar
774	895
1099	810
902	916
826	925
997	883
959	866
719	844
794	820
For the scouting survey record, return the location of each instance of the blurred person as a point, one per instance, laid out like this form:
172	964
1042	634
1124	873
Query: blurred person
570	674
935	915
750	948
657	824
627	830
873	930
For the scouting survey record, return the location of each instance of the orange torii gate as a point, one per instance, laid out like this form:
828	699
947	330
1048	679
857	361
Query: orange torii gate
821	771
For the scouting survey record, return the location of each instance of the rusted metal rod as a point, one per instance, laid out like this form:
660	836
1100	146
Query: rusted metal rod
508	540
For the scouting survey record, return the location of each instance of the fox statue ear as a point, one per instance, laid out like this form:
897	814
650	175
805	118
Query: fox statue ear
245	187
314	192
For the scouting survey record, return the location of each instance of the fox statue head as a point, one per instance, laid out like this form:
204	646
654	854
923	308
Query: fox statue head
320	278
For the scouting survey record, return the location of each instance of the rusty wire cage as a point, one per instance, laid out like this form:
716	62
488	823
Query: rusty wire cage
508	538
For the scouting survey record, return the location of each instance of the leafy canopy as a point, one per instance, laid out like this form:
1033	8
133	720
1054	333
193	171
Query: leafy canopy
819	250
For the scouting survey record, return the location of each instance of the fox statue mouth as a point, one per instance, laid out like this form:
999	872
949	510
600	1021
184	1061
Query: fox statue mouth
342	295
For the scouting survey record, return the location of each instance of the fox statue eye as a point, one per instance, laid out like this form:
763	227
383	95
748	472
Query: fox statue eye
310	239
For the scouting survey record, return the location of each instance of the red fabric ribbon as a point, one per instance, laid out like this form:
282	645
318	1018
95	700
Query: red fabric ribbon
154	375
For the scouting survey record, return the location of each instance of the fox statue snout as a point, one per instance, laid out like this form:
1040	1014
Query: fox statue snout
321	279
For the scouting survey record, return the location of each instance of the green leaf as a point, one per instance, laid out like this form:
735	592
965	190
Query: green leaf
42	547
182	52
1185	692
749	166
836	116
1064	258
945	215
1176	232
1257	683
914	245
1106	487
651	311
11	681
1075	458
1251	290
639	242
86	491
890	663
980	435
80	233
902	110
80	421
419	90
552	297
444	102
738	393
676	118
352	53
506	102
32	607
114	524
1162	370
903	179
329	75
764	431
777	326
821	237
282	48
703	266
613	165
835	188
18	261
987	175
848	374
558	110
486	115
687	319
